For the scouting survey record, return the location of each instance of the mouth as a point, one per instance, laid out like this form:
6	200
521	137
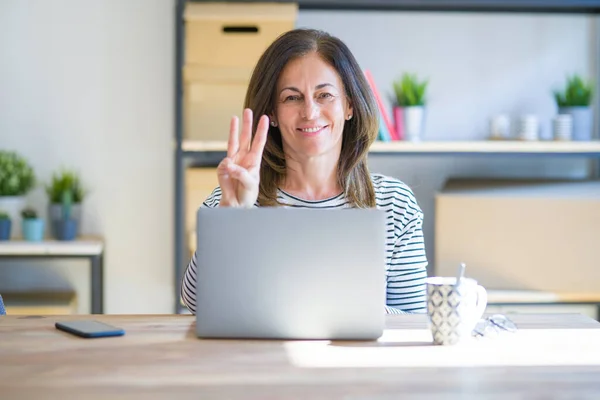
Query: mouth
312	131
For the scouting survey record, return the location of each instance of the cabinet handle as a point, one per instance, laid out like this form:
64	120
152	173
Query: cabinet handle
240	29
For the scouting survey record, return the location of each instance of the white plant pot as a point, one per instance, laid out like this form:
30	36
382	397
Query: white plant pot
13	205
414	121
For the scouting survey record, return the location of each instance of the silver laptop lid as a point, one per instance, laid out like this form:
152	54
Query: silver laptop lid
290	273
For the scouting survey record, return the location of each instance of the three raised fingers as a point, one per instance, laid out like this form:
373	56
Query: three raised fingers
243	142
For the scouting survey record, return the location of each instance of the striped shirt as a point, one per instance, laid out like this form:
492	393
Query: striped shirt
406	261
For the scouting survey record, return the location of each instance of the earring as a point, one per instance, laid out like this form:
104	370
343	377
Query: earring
349	117
273	123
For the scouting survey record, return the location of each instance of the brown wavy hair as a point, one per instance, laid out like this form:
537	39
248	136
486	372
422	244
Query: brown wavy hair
359	132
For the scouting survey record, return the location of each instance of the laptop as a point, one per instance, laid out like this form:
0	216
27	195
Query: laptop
290	273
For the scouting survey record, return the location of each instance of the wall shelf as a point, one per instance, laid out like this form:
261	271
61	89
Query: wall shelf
538	6
191	147
489	147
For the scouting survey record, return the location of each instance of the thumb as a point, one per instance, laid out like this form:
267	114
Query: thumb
243	176
223	167
224	177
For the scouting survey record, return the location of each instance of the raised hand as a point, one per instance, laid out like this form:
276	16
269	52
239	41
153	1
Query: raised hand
238	173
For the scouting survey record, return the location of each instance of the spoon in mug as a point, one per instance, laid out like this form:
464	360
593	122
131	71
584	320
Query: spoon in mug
461	273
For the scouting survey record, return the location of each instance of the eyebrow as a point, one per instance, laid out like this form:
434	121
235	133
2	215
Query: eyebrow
319	86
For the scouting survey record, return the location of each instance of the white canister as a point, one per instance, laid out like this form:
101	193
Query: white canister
562	127
500	127
528	128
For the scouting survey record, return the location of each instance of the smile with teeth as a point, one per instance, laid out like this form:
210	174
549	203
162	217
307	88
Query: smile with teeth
312	130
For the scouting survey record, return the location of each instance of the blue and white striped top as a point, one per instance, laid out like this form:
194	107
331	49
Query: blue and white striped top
406	258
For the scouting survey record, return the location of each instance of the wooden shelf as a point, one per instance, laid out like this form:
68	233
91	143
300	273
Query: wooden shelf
474	147
545	6
79	247
198	146
539	297
489	146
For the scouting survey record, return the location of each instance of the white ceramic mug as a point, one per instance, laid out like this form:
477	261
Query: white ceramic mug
453	309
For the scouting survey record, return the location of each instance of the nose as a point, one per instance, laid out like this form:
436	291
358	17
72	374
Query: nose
311	109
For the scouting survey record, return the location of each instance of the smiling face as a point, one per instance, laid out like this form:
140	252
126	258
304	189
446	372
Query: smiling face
311	108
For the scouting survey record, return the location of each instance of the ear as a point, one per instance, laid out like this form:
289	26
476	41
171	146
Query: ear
349	110
272	119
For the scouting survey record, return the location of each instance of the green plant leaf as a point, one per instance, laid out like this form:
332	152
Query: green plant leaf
16	174
410	91
29	213
576	93
63	181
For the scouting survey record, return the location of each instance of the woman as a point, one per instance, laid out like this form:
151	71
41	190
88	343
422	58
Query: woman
315	118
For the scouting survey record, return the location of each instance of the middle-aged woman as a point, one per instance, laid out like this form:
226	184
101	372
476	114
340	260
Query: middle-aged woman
314	117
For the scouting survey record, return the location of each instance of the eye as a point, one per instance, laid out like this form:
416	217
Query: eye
325	95
292	98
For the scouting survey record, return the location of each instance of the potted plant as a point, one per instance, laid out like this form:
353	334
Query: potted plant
5	225
66	194
16	180
409	111
576	100
66	227
33	226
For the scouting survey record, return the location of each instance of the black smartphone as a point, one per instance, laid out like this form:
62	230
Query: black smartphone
89	329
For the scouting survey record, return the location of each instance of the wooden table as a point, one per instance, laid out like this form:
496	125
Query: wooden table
551	356
91	249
